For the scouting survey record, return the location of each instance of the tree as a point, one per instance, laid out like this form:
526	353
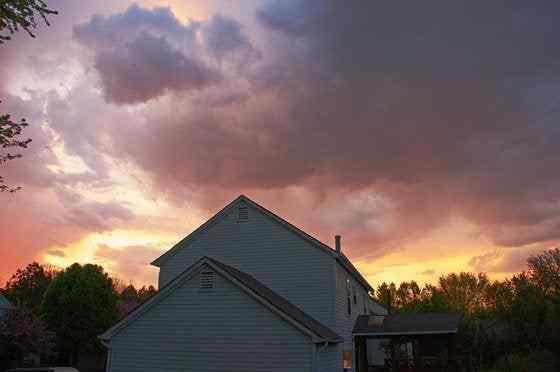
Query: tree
10	137
27	286
465	292
544	271
17	15
145	293
80	304
386	295
22	332
22	14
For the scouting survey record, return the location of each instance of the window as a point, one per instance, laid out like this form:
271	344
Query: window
365	305
206	280
355	296
243	213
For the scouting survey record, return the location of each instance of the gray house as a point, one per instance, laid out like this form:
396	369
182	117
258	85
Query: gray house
246	291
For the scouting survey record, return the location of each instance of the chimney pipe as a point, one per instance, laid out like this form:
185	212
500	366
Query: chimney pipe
337	239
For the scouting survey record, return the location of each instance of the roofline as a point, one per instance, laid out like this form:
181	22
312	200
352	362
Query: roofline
181	278
157	262
339	257
405	333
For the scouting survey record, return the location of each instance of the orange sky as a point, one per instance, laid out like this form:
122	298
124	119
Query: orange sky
429	149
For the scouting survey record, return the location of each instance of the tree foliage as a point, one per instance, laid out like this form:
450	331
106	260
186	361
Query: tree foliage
79	305
517	319
27	286
16	15
22	332
10	137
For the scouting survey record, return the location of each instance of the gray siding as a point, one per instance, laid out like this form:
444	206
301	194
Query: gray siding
222	329
275	256
344	322
329	359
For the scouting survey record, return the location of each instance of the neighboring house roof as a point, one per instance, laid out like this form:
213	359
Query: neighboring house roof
339	257
252	286
407	324
4	303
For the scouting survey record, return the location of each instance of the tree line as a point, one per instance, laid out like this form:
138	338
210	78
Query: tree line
511	324
58	314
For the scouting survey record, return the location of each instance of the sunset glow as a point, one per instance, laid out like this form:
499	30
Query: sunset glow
429	154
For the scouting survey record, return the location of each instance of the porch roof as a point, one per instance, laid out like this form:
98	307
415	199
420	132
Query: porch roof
407	324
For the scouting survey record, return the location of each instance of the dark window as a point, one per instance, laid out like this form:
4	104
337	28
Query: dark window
349	304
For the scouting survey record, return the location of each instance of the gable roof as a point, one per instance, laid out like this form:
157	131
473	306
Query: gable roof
278	301
250	285
407	324
339	257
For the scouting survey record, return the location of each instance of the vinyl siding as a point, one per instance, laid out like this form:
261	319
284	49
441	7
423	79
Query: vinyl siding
329	359
222	329
344	322
274	255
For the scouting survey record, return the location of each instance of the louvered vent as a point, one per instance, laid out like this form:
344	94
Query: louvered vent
243	213
206	280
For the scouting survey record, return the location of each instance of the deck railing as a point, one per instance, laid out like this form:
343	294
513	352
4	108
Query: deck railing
426	364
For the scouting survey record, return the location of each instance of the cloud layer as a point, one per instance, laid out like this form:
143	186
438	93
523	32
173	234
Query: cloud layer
383	122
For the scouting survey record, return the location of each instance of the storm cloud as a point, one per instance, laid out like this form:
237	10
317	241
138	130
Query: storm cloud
440	111
381	122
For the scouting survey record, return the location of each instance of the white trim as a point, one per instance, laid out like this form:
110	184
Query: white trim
404	333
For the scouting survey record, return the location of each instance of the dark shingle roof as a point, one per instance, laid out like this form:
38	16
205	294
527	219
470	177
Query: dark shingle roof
278	302
245	280
412	323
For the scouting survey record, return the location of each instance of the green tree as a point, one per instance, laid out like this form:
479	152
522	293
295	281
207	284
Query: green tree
465	292
18	15
386	294
80	304
27	286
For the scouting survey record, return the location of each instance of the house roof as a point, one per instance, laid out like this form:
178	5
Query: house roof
4	303
339	257
251	285
407	324
279	302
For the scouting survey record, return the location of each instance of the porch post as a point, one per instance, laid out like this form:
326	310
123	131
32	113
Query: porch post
354	350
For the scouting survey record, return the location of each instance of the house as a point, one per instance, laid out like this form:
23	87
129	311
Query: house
246	291
5	306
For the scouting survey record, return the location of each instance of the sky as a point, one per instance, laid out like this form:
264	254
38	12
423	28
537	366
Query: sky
425	133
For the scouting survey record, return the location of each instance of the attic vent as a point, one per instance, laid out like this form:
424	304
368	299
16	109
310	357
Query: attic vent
206	280
243	213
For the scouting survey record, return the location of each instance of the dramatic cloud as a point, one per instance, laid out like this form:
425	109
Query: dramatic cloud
386	123
505	260
420	108
224	36
142	54
130	263
147	67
